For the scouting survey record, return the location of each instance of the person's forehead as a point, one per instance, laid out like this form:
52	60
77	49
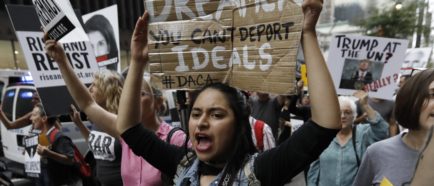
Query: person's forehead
345	106
211	98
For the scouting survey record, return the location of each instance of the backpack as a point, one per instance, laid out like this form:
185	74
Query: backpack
166	179
259	134
354	146
84	168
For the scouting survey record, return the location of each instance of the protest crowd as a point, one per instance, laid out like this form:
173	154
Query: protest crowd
317	133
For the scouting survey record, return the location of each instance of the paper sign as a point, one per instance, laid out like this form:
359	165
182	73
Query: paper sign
54	21
366	63
32	159
195	43
44	70
102	28
415	58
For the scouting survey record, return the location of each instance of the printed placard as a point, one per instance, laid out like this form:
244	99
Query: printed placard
32	160
253	43
44	70
366	63
54	21
102	146
102	28
415	59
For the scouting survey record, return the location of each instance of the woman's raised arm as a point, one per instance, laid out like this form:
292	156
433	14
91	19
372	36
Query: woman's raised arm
130	111
324	102
99	116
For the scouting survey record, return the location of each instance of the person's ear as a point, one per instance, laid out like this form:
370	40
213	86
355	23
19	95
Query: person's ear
44	118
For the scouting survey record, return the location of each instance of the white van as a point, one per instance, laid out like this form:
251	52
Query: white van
17	91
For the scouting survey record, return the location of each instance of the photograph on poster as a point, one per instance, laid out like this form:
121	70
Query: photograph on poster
102	38
416	58
357	74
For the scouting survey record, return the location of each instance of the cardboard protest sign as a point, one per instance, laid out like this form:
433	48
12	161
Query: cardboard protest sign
102	28
32	164
45	72
366	63
415	58
254	43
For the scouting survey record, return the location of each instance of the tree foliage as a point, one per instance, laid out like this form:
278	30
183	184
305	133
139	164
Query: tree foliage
394	23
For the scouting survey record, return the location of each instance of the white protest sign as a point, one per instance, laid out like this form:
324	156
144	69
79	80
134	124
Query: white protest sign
195	43
366	63
415	58
102	146
44	70
32	160
102	28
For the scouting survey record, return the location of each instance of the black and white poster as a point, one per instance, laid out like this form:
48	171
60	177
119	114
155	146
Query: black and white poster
54	21
102	145
102	28
32	160
44	70
416	59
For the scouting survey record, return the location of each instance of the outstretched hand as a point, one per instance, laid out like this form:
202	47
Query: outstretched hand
139	39
74	114
311	11
362	96
54	50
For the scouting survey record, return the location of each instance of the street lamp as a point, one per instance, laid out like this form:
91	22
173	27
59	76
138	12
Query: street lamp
398	6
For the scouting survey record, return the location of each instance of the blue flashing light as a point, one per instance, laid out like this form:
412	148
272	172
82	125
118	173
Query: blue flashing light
26	95
10	94
26	79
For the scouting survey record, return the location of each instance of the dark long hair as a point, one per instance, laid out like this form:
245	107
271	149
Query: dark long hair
411	97
101	24
243	143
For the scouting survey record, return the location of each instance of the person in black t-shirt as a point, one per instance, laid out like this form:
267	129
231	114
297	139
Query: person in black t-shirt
219	129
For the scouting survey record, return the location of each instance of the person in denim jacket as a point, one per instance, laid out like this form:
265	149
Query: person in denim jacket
344	154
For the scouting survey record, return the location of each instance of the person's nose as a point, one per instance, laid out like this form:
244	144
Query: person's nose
203	122
96	50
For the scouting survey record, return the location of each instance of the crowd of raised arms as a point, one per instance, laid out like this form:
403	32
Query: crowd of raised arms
234	137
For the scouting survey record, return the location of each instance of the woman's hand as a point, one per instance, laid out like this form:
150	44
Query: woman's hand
74	114
139	40
311	11
54	50
362	96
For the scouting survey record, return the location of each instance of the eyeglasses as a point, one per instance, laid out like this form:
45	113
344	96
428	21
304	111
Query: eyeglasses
144	93
346	113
